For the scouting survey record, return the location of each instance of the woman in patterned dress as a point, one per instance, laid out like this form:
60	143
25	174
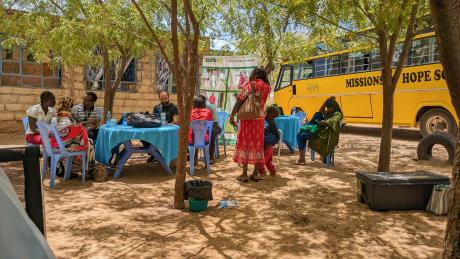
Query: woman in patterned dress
250	143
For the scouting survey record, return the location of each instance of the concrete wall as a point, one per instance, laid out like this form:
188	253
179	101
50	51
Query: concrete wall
14	101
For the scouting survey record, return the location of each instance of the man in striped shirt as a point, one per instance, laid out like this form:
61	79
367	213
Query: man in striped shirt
88	114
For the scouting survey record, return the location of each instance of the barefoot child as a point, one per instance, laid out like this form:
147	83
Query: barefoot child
271	137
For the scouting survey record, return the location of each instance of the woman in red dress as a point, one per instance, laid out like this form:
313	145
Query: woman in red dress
250	143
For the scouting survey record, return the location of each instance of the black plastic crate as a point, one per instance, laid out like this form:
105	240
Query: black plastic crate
397	191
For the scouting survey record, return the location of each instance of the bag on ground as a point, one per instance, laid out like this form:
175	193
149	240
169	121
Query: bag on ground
438	203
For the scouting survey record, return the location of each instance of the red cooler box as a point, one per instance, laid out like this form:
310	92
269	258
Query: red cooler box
397	191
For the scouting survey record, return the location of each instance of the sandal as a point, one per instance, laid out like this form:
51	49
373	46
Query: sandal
255	178
300	162
242	178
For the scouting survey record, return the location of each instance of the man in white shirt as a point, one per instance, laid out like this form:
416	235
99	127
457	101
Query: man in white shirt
40	112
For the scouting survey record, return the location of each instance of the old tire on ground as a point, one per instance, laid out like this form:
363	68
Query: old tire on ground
437	120
425	146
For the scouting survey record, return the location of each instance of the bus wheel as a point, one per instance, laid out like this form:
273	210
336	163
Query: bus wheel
437	120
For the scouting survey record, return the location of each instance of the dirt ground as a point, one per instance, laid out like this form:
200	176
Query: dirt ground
306	211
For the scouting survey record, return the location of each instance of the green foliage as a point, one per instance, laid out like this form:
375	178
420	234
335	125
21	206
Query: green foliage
70	34
263	28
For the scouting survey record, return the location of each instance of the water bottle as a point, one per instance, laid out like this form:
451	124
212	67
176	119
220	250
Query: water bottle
294	111
125	119
228	204
108	118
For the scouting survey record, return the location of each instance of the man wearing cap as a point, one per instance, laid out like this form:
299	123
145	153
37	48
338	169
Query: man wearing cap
88	114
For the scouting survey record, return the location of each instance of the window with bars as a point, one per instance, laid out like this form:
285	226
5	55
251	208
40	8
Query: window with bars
423	51
127	84
320	67
333	65
19	68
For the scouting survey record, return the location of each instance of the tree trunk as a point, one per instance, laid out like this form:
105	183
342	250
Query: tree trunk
387	123
107	81
446	18
181	164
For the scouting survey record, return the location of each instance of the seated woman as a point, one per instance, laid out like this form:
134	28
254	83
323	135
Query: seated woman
44	111
322	132
199	112
74	136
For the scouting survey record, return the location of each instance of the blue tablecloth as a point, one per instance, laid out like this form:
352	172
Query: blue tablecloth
290	126
164	138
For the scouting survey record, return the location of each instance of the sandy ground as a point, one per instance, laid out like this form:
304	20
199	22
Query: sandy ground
306	211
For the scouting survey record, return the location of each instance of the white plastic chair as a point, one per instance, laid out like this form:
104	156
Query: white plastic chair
56	154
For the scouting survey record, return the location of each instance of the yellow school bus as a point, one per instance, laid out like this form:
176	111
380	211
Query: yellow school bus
353	77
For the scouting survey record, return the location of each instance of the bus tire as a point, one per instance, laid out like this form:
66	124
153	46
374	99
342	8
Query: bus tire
437	120
425	146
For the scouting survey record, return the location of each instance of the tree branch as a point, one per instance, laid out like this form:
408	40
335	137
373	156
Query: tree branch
410	33
57	6
154	35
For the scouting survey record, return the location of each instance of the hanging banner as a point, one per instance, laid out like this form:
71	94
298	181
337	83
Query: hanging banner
223	76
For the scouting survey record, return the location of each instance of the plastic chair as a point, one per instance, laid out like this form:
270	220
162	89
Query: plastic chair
25	123
329	158
199	128
301	116
55	155
222	120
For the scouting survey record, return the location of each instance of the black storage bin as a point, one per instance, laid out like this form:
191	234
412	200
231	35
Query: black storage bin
397	191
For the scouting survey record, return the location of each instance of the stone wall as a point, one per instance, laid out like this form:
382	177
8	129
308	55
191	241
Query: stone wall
14	101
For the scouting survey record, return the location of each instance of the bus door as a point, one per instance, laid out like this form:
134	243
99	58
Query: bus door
284	90
356	105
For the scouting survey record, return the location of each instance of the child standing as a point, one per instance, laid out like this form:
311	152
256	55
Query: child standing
271	137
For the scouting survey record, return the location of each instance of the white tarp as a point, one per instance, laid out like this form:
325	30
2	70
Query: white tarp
19	237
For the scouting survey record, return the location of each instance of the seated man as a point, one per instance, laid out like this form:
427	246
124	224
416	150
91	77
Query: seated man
165	106
88	114
322	132
40	112
216	130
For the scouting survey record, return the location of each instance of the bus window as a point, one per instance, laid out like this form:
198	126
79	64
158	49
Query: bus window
320	67
375	59
423	51
361	61
286	77
347	63
297	72
396	55
333	64
307	69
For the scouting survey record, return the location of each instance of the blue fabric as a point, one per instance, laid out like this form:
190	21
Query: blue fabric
290	126
164	138
302	138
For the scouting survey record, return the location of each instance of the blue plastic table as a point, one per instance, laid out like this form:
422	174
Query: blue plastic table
163	141
290	126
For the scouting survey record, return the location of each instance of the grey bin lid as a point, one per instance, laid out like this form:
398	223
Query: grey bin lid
402	178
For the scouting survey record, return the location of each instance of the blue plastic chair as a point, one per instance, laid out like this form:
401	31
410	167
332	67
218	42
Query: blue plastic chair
222	117
25	123
199	128
301	116
329	158
55	155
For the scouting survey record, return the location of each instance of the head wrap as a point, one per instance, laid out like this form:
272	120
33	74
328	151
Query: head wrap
64	106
